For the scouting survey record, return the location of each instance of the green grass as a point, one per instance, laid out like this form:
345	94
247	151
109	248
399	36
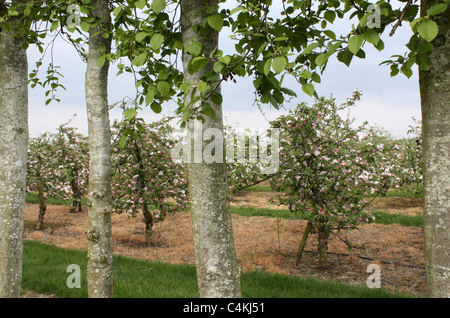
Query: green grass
44	271
259	188
33	198
271	213
405	220
380	217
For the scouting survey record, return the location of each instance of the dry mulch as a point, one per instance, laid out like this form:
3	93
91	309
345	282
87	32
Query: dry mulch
265	244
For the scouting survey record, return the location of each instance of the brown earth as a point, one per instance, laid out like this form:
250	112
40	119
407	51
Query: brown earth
266	244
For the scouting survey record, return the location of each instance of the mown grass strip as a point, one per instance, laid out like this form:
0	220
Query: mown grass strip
45	272
33	198
380	217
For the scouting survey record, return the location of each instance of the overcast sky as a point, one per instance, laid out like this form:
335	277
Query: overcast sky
387	102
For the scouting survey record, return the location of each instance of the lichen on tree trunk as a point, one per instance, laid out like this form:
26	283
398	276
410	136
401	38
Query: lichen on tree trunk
435	103
100	261
218	272
13	158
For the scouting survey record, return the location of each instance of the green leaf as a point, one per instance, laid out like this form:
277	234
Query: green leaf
321	59
218	66
280	38
123	141
117	11
208	110
394	70
309	48
315	77
345	57
101	61
158	5
217	98
197	64
267	66
354	43
140	36
141	4
225	59
156	41
163	88
308	89
130	113
140	59
150	95
195	48
85	26
305	74
330	34
329	16
215	21
237	9
288	91
273	101
372	36
156	107
201	86
426	47
261	48
436	9
406	69
332	48
279	64
54	26
423	61
427	29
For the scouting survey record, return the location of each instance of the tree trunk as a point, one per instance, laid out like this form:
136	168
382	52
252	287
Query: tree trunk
42	205
323	245
148	219
76	203
435	99
100	262
302	244
13	159
218	272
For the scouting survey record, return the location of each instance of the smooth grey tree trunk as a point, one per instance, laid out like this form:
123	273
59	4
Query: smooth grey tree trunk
100	262
218	272
13	160
435	102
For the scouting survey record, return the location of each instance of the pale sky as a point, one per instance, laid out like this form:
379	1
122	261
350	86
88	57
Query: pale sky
387	102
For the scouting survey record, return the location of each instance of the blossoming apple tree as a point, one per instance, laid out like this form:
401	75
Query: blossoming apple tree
58	167
329	171
144	176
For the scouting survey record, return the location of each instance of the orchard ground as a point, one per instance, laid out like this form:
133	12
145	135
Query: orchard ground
262	243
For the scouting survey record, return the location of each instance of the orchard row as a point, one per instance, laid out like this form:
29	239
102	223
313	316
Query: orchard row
327	169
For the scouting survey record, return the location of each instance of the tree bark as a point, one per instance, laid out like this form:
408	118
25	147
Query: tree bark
42	205
76	203
100	262
435	99
148	220
323	234
302	244
218	272
13	158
